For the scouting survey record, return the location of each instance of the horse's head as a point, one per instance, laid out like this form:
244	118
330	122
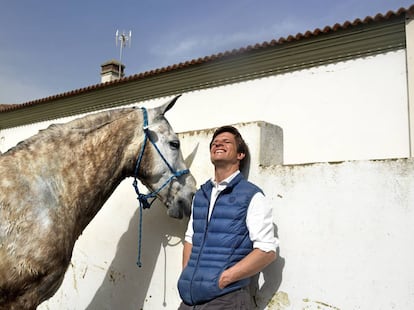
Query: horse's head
162	168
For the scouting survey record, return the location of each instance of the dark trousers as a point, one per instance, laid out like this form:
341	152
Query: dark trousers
237	300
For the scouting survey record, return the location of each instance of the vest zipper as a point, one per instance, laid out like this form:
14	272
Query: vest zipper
201	247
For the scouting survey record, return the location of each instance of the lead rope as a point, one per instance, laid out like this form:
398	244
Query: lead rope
143	199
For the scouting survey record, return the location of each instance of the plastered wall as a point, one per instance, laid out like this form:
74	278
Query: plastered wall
351	110
345	230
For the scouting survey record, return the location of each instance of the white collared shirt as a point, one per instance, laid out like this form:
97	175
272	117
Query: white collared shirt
259	219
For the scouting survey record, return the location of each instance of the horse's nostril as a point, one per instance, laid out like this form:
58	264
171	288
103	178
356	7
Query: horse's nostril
175	212
185	207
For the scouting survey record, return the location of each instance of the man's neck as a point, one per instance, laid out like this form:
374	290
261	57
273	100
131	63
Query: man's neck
222	173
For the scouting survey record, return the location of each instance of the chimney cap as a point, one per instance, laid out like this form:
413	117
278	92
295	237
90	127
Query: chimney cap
112	62
111	70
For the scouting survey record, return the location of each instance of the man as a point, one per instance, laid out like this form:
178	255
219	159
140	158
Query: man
230	234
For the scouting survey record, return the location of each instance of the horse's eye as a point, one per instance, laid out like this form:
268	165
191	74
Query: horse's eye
175	144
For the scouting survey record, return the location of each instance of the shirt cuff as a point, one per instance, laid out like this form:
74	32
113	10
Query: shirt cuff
265	246
188	239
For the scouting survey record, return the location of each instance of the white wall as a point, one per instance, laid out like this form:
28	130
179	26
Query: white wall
351	110
346	233
345	229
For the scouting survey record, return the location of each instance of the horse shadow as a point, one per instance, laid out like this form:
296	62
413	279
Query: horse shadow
125	285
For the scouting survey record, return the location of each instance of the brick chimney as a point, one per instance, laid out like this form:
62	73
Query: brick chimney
110	71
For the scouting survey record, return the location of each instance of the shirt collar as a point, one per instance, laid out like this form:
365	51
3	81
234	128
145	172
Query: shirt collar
223	184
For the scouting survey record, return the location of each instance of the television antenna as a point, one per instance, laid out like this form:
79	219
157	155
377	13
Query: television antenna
124	40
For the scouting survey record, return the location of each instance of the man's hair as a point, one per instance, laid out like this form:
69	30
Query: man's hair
241	145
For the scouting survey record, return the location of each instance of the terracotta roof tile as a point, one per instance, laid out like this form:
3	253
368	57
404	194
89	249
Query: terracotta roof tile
291	38
4	107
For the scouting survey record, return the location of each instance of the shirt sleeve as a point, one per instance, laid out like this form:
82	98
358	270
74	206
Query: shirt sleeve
189	232
259	222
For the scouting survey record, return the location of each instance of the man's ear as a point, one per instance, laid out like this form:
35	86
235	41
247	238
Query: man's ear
240	156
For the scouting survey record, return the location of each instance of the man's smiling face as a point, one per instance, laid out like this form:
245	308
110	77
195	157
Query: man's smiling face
223	150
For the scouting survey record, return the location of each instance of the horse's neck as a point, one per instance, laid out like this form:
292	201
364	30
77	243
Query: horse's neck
83	169
103	159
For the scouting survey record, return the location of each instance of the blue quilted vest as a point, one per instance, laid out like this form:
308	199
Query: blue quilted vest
219	243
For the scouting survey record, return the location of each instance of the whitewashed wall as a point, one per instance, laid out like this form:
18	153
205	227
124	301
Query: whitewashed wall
344	228
350	110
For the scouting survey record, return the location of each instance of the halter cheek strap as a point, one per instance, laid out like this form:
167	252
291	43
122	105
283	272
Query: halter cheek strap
143	198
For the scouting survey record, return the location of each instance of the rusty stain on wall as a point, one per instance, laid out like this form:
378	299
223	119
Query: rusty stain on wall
279	301
75	285
313	304
115	276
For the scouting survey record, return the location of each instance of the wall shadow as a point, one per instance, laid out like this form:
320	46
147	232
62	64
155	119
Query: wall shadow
272	279
272	274
125	285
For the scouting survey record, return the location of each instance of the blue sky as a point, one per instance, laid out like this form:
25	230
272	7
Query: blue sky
50	47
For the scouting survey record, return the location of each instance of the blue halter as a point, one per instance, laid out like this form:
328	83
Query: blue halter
143	198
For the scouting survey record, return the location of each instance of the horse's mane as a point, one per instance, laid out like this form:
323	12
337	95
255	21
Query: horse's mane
84	125
92	121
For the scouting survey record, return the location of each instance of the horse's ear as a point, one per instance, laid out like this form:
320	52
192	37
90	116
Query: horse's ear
168	105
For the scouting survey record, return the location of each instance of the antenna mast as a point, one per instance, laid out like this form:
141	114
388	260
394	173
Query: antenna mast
124	40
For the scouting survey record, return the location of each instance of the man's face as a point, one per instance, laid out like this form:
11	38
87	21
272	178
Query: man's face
223	150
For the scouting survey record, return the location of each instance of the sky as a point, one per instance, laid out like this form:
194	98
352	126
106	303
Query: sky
48	47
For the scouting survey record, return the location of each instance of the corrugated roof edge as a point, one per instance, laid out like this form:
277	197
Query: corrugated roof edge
308	34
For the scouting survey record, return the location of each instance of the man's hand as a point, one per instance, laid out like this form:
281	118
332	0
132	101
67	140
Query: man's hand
225	279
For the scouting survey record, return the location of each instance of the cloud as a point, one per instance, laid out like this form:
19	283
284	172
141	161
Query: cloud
186	48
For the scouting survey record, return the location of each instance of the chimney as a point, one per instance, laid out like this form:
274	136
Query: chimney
110	71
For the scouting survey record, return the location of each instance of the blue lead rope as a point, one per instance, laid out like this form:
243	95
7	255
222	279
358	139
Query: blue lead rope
142	198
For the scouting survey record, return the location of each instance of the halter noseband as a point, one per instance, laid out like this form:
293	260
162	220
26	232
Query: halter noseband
143	198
